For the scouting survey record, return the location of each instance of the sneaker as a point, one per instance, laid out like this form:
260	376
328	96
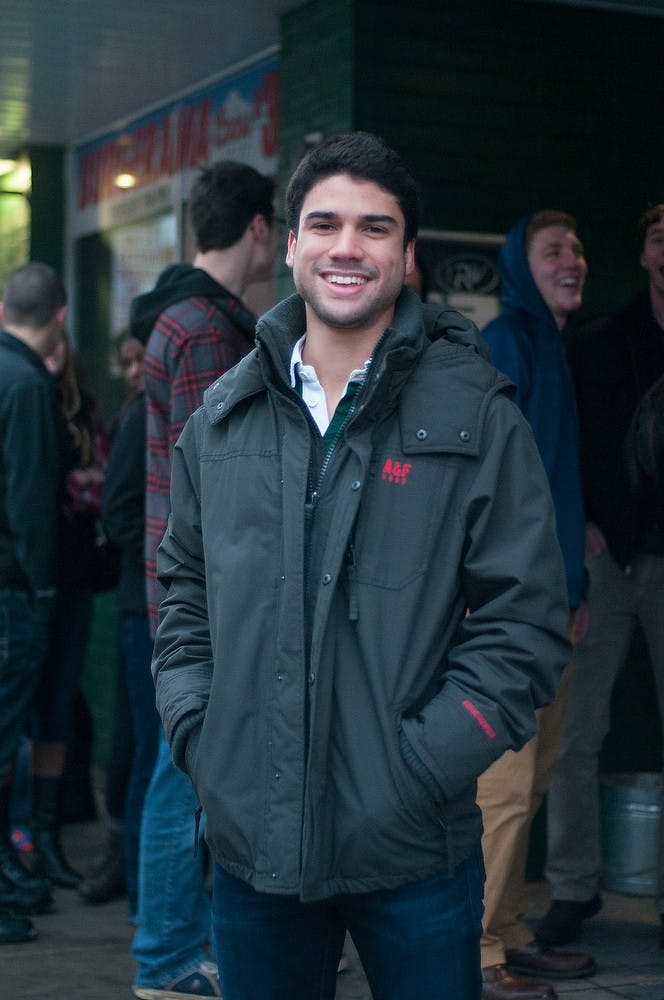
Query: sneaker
202	982
15	929
21	839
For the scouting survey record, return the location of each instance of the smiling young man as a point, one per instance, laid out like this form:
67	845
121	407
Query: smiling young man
341	499
543	271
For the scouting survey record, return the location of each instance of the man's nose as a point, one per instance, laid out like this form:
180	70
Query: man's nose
346	243
570	258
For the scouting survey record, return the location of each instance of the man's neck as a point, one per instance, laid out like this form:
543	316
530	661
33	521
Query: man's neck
228	267
34	339
335	354
657	305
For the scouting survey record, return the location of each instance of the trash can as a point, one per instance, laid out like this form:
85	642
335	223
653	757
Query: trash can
631	808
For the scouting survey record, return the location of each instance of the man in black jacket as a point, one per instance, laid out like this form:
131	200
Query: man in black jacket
612	371
32	441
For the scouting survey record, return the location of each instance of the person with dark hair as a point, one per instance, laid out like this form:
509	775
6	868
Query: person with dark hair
543	271
225	200
53	721
196	327
357	155
342	498
135	722
33	457
613	370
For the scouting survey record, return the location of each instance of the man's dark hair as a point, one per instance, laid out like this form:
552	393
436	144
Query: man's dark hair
223	201
547	217
648	219
32	295
362	156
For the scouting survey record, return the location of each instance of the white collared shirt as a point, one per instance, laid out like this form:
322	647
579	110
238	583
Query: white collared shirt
313	393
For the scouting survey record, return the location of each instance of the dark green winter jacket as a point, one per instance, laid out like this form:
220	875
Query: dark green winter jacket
316	671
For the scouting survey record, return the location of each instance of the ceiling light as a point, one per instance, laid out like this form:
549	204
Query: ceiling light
125	181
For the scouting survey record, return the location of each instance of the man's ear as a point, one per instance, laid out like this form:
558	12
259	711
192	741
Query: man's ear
260	228
61	315
290	251
409	257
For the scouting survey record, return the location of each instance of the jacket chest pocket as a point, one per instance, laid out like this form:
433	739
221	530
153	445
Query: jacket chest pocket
400	511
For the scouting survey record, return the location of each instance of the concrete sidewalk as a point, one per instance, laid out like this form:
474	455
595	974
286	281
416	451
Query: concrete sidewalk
82	952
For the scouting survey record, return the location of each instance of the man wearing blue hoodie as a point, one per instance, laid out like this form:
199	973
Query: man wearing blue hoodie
543	271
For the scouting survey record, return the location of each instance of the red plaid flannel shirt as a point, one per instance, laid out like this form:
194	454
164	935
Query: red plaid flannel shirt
193	342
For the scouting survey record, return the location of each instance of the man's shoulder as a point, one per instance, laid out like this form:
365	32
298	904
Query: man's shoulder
635	315
463	383
607	336
19	373
509	325
513	346
199	319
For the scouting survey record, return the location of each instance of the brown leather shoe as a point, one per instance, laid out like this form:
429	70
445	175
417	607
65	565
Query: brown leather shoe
501	984
537	960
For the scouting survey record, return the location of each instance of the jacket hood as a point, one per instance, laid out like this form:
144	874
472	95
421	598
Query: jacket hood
416	328
286	323
175	283
519	291
442	322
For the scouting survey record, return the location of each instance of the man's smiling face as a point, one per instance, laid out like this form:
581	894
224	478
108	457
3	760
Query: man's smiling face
559	270
348	257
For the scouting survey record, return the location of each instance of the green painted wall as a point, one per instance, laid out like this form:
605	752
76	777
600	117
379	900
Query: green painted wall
500	108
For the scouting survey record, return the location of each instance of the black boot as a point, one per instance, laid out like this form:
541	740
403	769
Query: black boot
15	871
49	859
107	880
14	929
20	890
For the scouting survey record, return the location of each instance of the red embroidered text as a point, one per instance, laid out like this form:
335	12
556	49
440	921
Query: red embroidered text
396	472
479	718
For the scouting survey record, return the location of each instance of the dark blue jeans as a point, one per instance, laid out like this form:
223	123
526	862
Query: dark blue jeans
136	650
420	941
25	633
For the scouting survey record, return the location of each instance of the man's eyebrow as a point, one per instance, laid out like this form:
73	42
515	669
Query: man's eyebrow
380	218
321	214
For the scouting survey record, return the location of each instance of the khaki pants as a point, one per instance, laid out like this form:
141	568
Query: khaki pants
509	794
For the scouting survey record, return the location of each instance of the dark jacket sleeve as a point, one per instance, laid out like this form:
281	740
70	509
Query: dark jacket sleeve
183	633
123	499
34	476
512	646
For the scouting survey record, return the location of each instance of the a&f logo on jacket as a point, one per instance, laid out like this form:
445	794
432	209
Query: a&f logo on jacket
396	472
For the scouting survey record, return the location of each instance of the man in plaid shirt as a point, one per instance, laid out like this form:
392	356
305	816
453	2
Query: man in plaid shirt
200	328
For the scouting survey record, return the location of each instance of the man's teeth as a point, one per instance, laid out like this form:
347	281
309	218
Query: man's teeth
346	279
569	281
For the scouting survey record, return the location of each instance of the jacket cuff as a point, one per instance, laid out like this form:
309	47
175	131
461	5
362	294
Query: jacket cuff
184	740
